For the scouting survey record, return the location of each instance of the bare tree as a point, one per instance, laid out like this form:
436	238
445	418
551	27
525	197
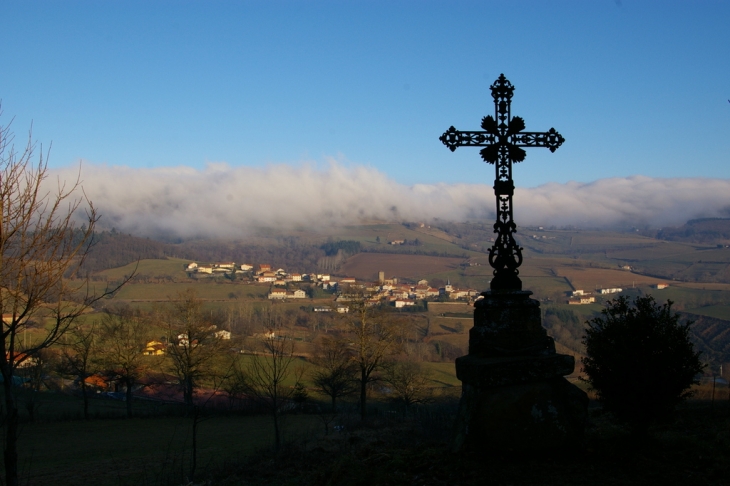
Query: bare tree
409	382
374	338
36	371
195	342
39	246
124	334
265	374
79	357
335	369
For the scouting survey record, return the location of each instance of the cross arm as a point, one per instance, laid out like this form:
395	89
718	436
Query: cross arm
550	139
453	138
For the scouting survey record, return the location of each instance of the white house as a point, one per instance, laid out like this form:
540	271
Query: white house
585	299
266	277
277	294
223	334
610	291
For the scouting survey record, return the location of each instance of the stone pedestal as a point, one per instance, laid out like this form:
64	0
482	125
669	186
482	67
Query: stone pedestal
514	396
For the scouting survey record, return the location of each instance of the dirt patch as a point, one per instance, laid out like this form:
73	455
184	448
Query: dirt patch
365	266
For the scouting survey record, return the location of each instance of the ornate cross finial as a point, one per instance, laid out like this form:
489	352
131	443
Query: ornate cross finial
503	139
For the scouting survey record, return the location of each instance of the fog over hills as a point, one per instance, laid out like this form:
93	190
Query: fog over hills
227	201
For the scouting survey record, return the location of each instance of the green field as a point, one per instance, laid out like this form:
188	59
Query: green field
716	311
143	451
173	267
219	291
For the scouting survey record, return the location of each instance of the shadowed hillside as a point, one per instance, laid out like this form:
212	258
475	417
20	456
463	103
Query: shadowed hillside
712	337
705	230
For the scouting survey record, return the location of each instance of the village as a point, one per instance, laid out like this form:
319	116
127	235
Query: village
390	291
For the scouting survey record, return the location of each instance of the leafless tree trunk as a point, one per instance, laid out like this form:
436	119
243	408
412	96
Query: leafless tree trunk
335	369
124	334
265	374
194	342
39	246
409	382
36	371
78	357
374	338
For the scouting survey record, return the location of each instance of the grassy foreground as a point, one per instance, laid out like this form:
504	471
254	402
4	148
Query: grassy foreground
155	451
390	448
693	450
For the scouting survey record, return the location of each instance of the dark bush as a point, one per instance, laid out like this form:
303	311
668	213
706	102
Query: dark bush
640	361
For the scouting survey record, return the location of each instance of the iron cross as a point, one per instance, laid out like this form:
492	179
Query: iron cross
503	139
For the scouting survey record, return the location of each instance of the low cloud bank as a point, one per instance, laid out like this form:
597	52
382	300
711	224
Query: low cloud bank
230	201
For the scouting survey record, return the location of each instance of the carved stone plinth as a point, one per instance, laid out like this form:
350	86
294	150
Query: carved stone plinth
514	396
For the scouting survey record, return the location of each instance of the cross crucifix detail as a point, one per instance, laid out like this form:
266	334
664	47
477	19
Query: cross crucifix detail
503	139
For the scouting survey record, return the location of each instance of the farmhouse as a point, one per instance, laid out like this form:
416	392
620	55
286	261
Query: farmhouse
96	382
223	334
584	299
610	291
277	294
154	348
266	277
283	294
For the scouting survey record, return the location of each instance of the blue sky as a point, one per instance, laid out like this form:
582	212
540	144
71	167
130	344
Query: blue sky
636	87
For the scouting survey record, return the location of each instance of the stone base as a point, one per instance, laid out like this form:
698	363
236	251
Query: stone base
514	396
486	373
548	415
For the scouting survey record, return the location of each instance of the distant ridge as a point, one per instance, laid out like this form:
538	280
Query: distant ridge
700	230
